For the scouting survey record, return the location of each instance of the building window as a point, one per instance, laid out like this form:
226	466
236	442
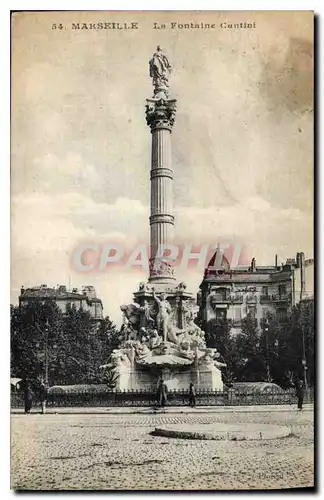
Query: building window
264	312
282	314
221	294
265	291
282	290
252	311
221	314
67	306
237	313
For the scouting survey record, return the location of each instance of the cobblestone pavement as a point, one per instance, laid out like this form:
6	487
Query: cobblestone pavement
113	410
117	452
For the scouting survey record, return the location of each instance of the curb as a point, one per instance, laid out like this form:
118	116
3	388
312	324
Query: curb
246	434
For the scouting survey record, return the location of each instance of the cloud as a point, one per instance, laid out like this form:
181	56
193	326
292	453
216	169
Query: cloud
248	222
46	229
287	78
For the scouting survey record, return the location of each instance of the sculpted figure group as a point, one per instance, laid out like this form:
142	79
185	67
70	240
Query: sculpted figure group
161	327
153	326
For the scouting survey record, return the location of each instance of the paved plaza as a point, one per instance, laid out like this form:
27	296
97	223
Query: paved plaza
94	451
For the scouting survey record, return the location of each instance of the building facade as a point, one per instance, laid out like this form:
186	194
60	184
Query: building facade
232	294
85	299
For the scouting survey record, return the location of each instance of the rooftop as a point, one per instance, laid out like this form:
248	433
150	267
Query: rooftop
59	293
219	269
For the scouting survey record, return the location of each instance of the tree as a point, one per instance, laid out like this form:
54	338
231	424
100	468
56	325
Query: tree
69	348
300	341
35	328
73	349
286	340
218	335
107	338
250	366
308	330
88	345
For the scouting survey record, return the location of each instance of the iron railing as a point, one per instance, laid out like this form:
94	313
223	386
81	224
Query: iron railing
265	298
251	300
238	299
174	398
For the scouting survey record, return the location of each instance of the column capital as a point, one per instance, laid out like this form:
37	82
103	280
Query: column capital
160	113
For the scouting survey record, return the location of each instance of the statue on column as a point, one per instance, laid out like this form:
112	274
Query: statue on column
160	70
163	315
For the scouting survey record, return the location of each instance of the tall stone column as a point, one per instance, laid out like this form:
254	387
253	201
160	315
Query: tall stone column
160	116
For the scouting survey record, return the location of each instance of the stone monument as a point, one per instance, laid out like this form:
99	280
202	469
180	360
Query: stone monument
161	337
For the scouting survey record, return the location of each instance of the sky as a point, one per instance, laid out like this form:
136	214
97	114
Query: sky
242	143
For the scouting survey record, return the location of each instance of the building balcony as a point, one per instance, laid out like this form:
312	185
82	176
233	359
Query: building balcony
274	298
219	299
236	323
281	298
251	300
238	299
265	298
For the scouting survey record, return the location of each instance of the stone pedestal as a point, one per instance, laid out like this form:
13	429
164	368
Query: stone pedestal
181	302
210	379
140	378
132	375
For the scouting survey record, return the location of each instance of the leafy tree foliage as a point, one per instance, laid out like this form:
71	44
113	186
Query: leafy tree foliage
32	327
300	335
273	353
72	346
251	366
219	336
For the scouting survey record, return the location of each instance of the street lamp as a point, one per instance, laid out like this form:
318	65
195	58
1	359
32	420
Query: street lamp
304	363
305	371
266	331
45	349
46	352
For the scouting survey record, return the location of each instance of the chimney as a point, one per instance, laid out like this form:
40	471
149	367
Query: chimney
276	261
22	290
298	260
253	265
302	275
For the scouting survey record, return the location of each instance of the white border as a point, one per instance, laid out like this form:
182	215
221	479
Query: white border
166	4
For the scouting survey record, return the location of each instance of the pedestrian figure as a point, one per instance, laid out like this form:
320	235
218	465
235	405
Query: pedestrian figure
162	394
42	395
300	394
28	397
192	395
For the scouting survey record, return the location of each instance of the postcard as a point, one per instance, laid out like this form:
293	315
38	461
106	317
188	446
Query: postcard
162	250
